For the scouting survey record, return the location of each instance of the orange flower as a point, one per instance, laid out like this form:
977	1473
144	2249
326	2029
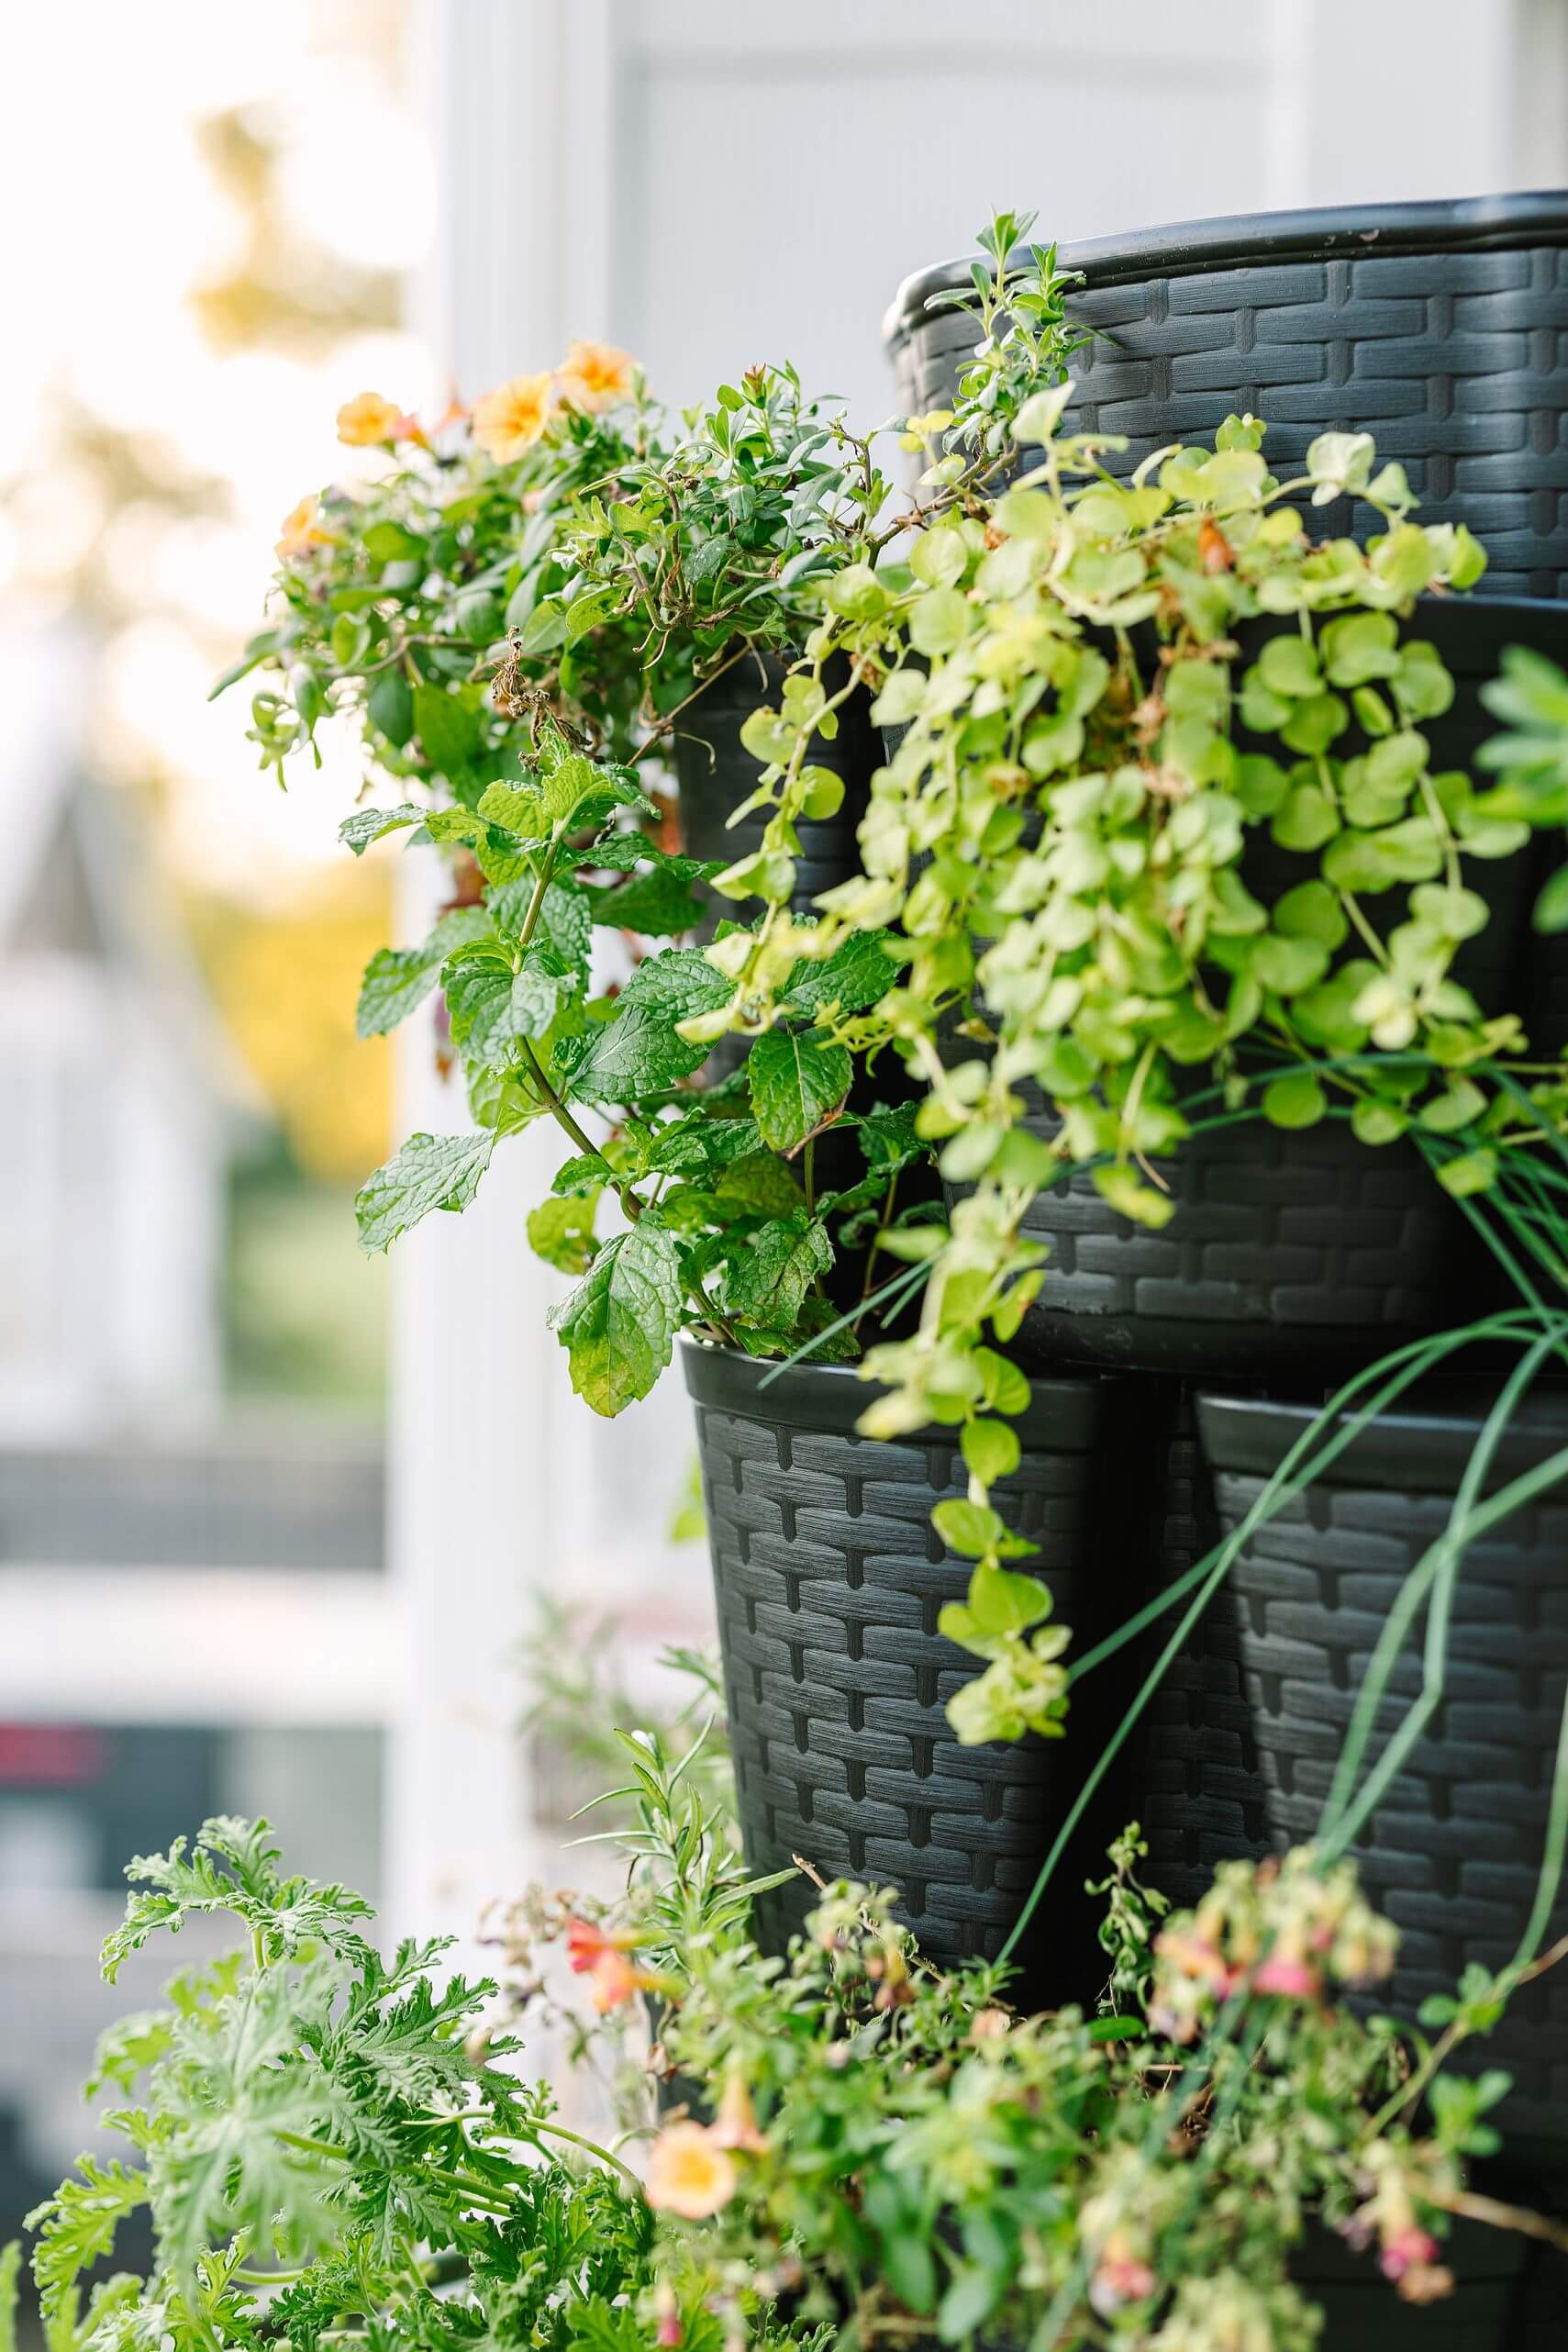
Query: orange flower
509	420
689	2173
367	419
303	531
595	375
603	1960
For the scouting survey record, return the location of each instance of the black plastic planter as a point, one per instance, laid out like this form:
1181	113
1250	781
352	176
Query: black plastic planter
1296	1247
715	773
1453	1853
829	1579
1439	327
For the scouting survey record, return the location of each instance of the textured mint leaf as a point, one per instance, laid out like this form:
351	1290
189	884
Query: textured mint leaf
518	808
430	1171
453	825
618	1325
561	1231
623	851
796	1080
450	732
542	987
500	856
659	904
567	924
368	825
757	1180
398	981
638	1051
478	992
770	1275
698	1139
459	927
857	975
490	1007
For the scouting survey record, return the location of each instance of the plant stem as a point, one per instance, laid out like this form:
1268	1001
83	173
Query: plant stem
560	2131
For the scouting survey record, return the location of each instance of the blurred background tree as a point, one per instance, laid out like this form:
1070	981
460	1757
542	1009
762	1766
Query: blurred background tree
274	195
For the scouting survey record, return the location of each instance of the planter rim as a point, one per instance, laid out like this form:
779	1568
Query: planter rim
1326	232
1408	1452
1065	1414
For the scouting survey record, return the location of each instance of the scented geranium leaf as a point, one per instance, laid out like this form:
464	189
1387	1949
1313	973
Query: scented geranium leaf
430	1171
76	2226
798	1080
772	1270
561	1231
396	982
857	975
658	904
368	825
618	1325
233	1866
638	1051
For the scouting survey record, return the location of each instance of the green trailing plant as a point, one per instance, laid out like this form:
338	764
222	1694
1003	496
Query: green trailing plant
1112	697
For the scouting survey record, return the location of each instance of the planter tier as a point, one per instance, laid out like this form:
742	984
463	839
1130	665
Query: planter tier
829	1579
1296	1247
1241	1748
1438	327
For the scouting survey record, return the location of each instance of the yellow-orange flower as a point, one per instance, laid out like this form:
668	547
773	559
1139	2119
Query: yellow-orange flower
367	419
509	420
302	529
595	375
688	2173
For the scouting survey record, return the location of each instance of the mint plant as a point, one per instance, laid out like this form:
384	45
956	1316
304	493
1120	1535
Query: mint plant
717	1229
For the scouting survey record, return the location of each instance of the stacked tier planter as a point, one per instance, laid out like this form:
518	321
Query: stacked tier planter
1441	329
1243	1736
829	1579
1291	1247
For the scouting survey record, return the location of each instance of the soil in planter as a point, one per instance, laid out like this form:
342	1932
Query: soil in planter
1307	1246
830	1581
1436	327
1453	1853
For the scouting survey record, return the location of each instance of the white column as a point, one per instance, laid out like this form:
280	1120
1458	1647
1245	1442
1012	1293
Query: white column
473	1499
